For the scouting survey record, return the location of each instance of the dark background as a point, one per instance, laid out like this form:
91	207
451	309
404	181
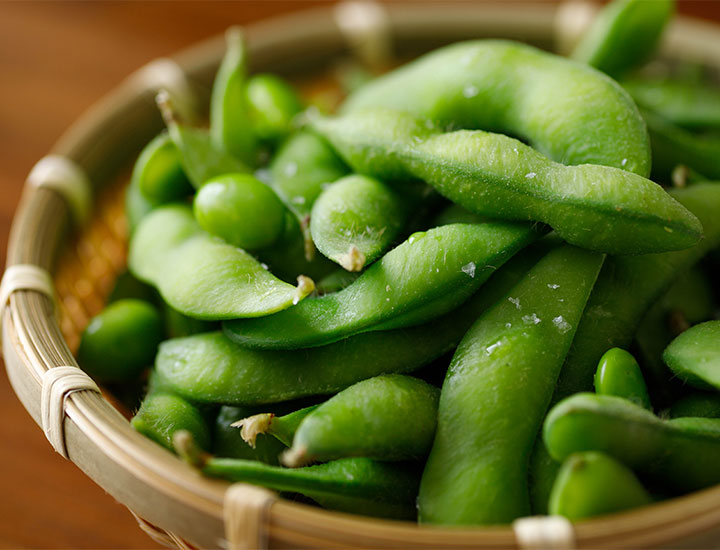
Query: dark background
56	59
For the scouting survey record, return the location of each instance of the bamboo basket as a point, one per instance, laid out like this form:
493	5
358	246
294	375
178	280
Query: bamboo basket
179	507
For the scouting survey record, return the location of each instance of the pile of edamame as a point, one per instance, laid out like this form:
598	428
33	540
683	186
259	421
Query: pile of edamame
402	309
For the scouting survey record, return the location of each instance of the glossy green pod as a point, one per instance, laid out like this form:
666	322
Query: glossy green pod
231	128
227	442
233	374
272	105
497	390
683	454
355	220
566	110
241	210
158	172
201	276
595	484
429	274
356	485
624	35
694	356
161	414
388	417
619	374
596	207
697	404
121	341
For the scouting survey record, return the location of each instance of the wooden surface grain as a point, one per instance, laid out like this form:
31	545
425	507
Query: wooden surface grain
56	59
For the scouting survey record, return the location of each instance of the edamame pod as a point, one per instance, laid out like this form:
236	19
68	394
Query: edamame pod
230	126
497	390
596	207
228	444
273	103
389	417
566	110
619	374
204	277
162	414
355	220
233	374
356	485
694	356
683	453
429	274
336	281
624	35
158	172
594	484
282	428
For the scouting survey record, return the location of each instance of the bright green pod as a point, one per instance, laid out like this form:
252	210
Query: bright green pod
690	104
241	210
161	414
429	274
596	207
201	158
697	404
158	172
626	288
624	35
282	428
683	454
201	276
272	105
619	374
299	171
497	390
227	442
694	356
356	485
355	219
121	341
594	484
230	125
566	110
232	374
388	417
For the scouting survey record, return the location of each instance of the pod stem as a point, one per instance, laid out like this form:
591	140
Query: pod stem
305	286
252	426
188	450
353	259
167	110
307	238
295	457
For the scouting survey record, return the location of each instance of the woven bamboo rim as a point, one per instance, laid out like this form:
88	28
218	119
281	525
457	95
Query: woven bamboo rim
149	480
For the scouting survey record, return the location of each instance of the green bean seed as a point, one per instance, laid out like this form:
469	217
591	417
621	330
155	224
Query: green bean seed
497	390
429	274
595	484
121	342
241	210
619	374
683	454
355	220
203	277
273	104
694	356
162	414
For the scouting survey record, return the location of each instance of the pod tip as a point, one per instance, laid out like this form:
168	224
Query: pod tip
252	426
295	457
353	259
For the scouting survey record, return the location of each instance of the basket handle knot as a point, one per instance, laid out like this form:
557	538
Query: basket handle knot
246	513
66	178
544	533
57	384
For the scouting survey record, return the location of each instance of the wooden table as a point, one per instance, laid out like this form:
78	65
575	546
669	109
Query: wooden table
56	59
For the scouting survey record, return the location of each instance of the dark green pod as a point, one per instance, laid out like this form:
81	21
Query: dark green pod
162	414
698	404
694	356
619	374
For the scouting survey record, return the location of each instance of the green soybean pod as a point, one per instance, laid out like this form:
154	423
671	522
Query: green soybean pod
595	484
121	341
228	443
497	390
596	207
566	110
429	274
210	368
683	454
454	213
272	106
694	356
356	485
625	290
203	277
201	159
696	404
241	210
619	374
389	417
624	35
158	172
282	428
355	220
231	129
162	414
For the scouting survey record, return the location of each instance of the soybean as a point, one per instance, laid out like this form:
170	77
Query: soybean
273	104
619	374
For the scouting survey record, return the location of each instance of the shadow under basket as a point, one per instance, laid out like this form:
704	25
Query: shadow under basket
177	505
